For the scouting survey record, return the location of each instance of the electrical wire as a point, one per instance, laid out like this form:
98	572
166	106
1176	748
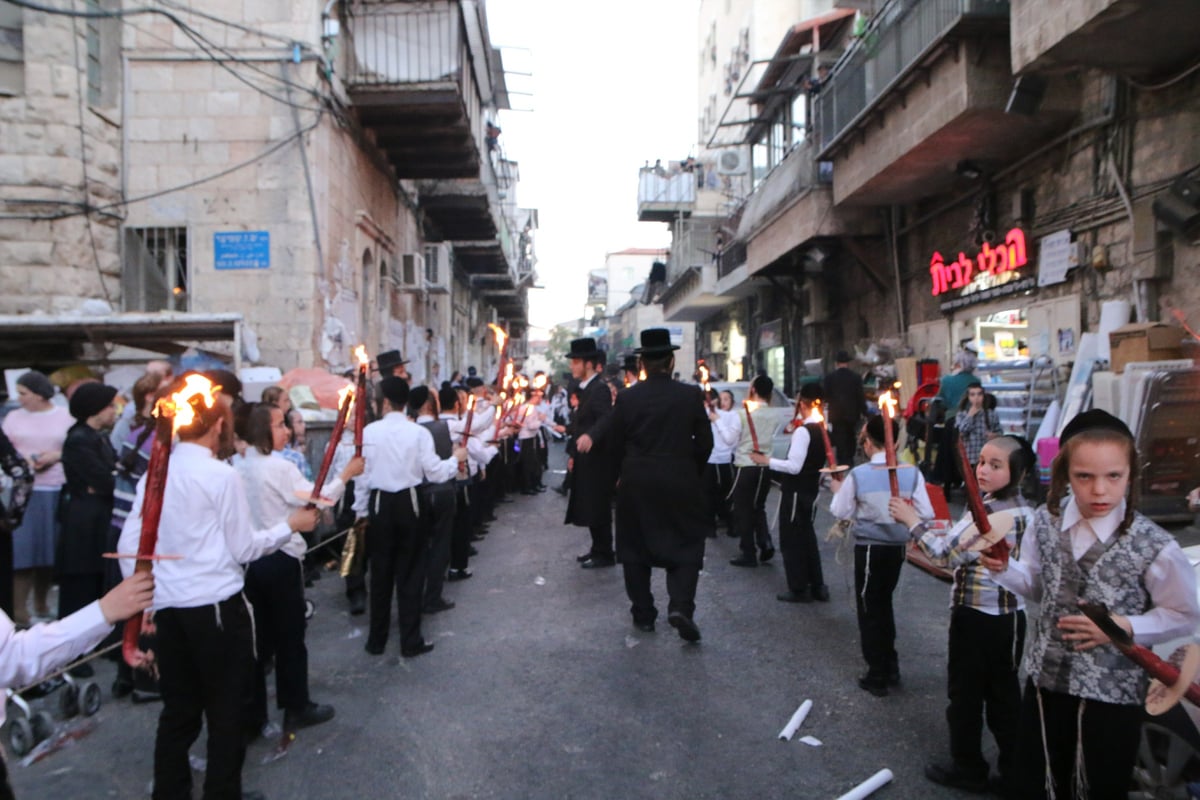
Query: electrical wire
1154	87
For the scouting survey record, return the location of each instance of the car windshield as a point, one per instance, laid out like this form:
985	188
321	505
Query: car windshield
740	389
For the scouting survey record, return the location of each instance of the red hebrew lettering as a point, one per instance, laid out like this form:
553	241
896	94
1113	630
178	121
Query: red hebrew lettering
966	270
937	271
1016	248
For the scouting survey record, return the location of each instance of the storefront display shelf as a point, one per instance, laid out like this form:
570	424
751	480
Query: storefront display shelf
1023	388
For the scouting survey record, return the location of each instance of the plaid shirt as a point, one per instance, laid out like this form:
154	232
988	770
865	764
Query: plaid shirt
975	430
973	585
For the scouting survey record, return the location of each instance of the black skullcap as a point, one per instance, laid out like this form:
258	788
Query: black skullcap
447	397
37	383
1095	419
91	398
812	391
395	390
230	384
875	429
417	398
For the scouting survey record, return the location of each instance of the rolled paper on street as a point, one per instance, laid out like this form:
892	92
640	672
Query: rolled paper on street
869	786
796	721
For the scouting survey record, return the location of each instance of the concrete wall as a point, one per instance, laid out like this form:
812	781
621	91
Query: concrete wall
53	266
1037	26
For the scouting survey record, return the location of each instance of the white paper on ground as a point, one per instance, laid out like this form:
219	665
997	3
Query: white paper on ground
796	721
867	787
811	741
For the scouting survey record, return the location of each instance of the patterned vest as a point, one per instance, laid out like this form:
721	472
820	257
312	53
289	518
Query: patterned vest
1111	573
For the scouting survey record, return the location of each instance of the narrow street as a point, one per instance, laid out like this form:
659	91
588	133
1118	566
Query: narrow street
541	688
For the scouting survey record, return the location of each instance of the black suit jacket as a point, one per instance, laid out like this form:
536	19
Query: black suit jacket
590	502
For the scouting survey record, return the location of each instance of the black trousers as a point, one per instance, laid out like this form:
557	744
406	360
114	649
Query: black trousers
602	539
530	464
718	480
798	541
275	587
464	518
1110	744
749	499
985	653
397	550
876	572
681	590
205	664
844	438
78	591
438	508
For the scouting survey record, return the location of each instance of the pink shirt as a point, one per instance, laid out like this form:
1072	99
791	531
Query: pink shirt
40	432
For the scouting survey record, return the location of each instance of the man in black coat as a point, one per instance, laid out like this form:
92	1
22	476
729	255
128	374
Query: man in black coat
590	502
847	405
660	436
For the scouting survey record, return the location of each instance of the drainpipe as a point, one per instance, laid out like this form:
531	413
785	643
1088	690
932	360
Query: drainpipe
892	221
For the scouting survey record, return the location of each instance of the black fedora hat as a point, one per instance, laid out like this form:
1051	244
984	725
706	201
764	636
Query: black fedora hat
656	342
583	348
389	359
631	363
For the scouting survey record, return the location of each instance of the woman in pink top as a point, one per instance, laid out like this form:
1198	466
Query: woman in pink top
37	429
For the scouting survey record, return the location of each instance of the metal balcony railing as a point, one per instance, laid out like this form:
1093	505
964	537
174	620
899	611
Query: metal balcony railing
655	189
898	38
395	45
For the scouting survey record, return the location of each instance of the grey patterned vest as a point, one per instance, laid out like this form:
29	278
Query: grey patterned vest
1110	573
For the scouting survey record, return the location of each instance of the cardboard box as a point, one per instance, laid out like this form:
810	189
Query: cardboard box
1144	341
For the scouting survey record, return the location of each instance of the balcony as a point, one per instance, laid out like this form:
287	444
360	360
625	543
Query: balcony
461	209
1129	37
663	195
923	89
411	77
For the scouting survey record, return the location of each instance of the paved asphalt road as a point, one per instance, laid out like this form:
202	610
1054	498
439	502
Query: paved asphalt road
541	688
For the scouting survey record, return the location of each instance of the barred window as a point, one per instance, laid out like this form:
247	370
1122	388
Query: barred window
155	273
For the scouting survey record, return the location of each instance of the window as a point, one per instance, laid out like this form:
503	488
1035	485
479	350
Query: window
155	274
102	46
432	265
12	51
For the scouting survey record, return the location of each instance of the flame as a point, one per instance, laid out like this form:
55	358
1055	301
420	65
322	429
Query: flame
501	336
179	406
641	375
344	393
539	382
703	375
817	415
508	375
888	402
360	352
749	405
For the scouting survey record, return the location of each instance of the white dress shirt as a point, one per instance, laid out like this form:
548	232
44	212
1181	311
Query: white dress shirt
1169	580
272	483
725	432
478	453
400	455
205	520
28	656
797	450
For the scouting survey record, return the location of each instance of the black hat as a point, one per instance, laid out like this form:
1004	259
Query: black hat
230	384
389	359
631	363
1095	419
811	391
842	357
656	342
395	390
37	383
584	348
91	398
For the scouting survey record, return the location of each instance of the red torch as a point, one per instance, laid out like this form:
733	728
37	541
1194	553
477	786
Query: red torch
830	458
345	397
887	404
462	467
748	406
170	413
360	399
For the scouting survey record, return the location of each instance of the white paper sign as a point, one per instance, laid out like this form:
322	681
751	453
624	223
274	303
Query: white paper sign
1054	258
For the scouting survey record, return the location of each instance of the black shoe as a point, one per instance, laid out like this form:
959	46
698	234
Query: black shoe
458	574
599	562
647	627
744	561
138	697
477	537
584	557
441	604
82	671
358	604
374	649
821	593
956	777
875	685
766	554
311	714
490	518
688	631
425	647
121	688
794	597
562	490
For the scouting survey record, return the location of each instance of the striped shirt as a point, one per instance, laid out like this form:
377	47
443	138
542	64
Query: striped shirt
973	586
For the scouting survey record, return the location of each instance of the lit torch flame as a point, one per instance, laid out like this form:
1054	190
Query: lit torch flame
888	402
360	352
343	393
704	377
508	375
818	417
641	375
539	382
501	336
179	406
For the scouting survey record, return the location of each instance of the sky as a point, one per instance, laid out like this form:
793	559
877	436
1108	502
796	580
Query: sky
613	85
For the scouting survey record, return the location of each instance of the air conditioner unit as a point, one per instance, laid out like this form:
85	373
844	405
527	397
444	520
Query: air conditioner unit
438	268
411	272
733	162
816	303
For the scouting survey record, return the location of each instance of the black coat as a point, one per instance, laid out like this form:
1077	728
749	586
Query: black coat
660	436
89	462
590	502
845	398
